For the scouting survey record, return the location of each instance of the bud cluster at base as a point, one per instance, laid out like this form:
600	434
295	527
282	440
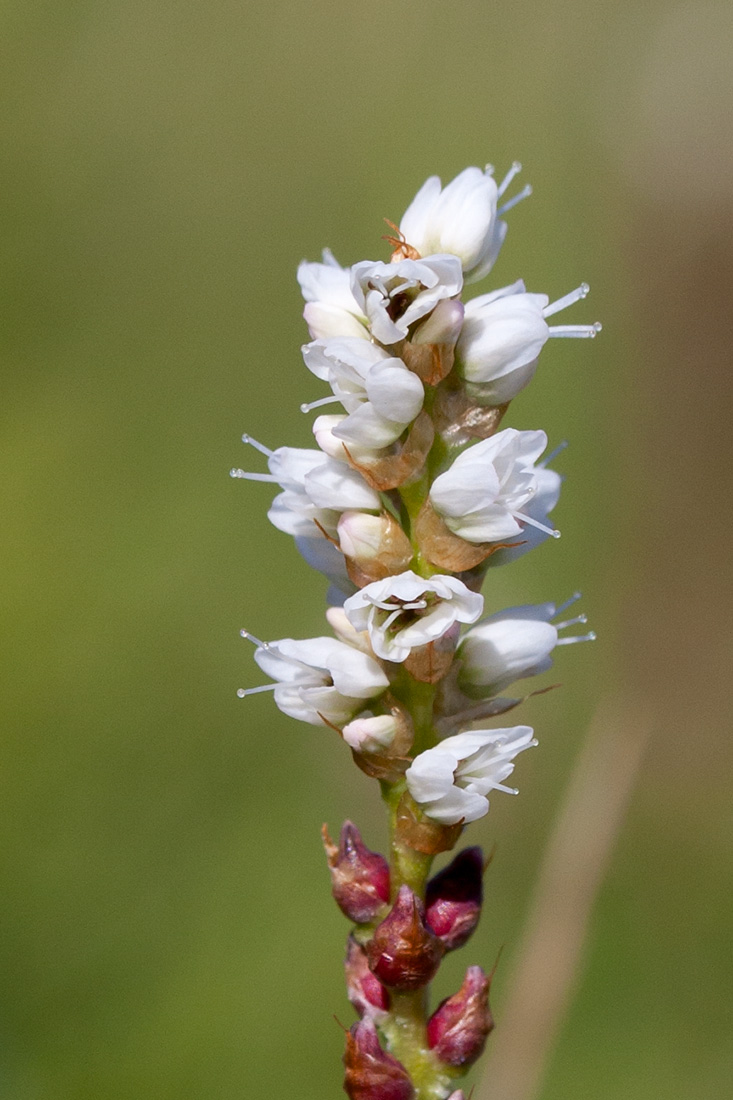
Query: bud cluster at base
372	1073
458	1028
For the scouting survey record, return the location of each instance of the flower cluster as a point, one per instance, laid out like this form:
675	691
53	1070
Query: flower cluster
412	491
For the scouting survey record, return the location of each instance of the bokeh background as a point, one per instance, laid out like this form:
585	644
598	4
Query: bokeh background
167	930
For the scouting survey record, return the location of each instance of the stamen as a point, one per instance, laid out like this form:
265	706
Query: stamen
416	604
391	618
568	603
515	169
308	405
553	532
571	622
506	790
553	454
589	637
254	639
257	446
242	692
252	477
567	300
576	331
519	197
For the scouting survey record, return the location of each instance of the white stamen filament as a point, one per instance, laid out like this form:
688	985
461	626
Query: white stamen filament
519	197
553	454
308	405
257	446
587	332
515	169
253	477
254	639
506	790
242	692
553	532
568	603
571	622
567	300
589	637
391	618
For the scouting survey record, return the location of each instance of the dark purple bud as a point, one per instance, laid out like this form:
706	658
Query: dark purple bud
371	1073
453	898
458	1028
403	953
359	877
366	993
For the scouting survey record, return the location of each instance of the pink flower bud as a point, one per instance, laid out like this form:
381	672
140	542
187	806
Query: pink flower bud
375	547
403	953
366	993
371	1073
359	877
458	1028
453	898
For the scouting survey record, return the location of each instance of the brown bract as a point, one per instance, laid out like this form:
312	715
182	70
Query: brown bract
390	765
458	419
446	550
393	556
430	362
404	462
418	832
430	663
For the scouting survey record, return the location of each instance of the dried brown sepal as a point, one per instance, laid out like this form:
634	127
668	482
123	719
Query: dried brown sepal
430	663
458	419
417	831
444	549
372	1073
430	362
403	953
406	459
402	250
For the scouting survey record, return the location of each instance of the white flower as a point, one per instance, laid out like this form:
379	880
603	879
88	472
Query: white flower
505	647
460	219
318	678
331	309
482	497
396	295
452	780
502	336
378	391
407	611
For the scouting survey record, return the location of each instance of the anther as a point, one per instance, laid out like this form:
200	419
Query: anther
567	300
308	405
257	446
519	197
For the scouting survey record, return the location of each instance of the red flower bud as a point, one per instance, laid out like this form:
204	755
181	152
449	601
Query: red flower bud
403	953
359	877
371	1073
453	898
458	1028
366	993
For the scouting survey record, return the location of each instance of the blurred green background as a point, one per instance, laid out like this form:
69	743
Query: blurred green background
167	929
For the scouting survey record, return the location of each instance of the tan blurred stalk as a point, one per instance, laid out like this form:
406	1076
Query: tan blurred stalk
574	866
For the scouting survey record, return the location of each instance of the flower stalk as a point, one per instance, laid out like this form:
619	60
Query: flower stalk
413	493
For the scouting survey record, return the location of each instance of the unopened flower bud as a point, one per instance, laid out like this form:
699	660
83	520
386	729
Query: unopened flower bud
359	877
430	352
366	993
371	1073
453	898
458	1028
375	547
403	953
373	734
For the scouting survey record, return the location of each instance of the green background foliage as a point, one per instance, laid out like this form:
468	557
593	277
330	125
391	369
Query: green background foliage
167	926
